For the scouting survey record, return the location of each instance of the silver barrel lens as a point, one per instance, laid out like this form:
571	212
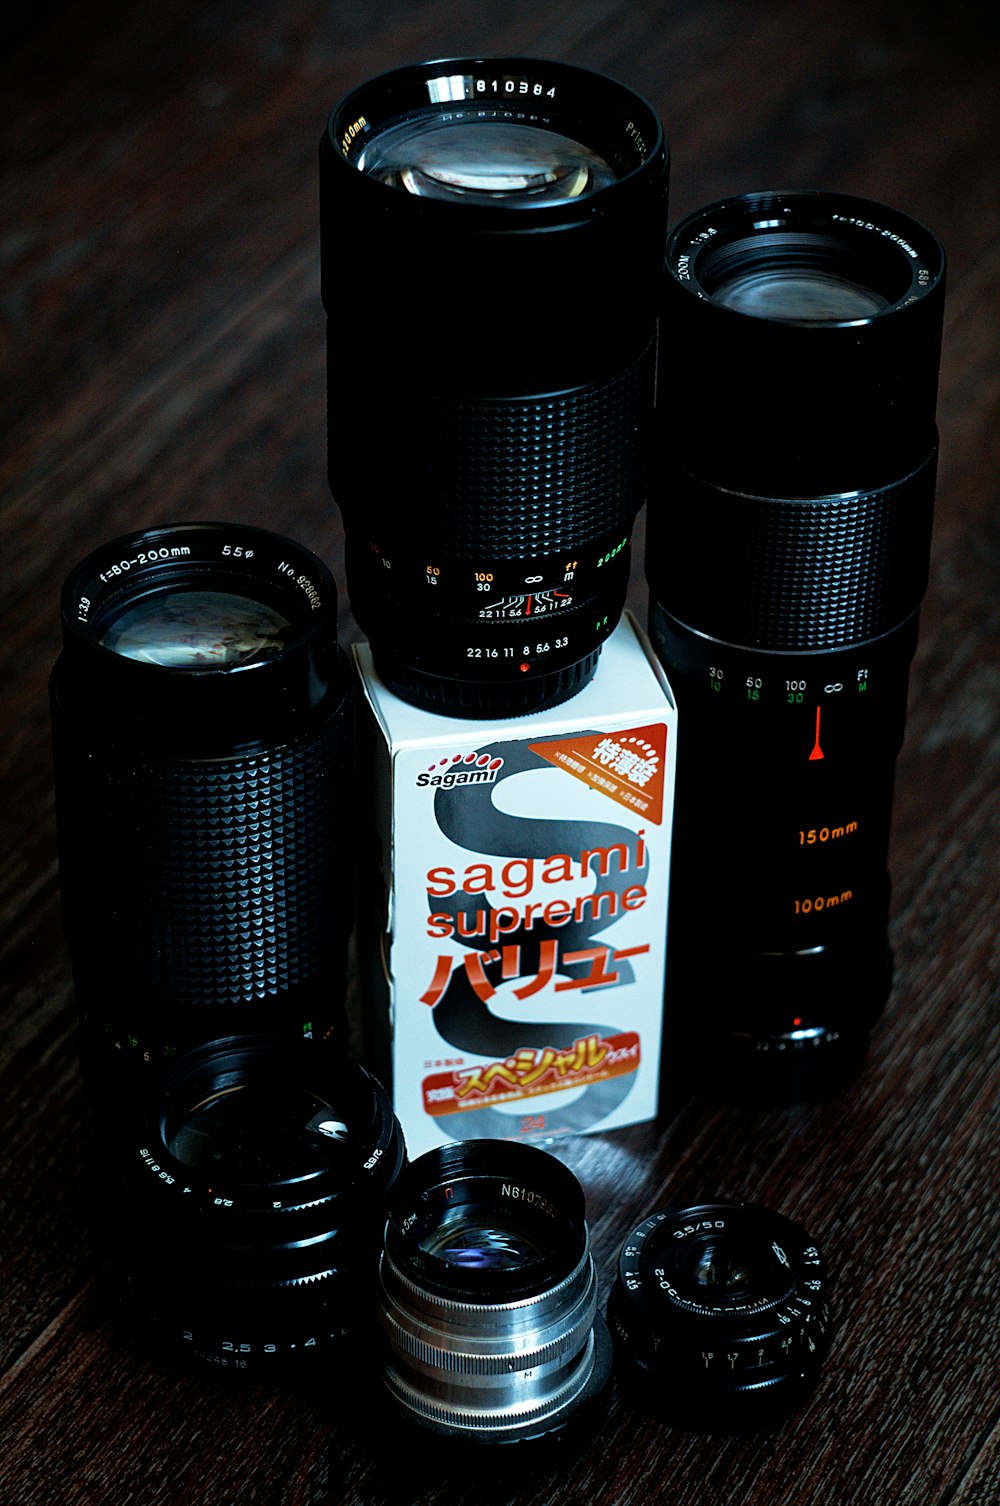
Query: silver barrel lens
488	1294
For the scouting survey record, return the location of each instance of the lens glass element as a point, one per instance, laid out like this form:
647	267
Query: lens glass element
476	1240
715	1271
780	293
258	1133
483	161
186	629
799	275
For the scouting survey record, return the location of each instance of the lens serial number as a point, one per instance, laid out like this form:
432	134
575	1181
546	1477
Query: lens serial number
512	87
530	1196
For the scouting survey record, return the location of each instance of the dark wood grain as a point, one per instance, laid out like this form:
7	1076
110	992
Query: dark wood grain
162	356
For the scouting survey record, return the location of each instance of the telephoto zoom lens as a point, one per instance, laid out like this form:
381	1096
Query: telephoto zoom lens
719	1316
488	1297
201	727
787	555
254	1201
492	248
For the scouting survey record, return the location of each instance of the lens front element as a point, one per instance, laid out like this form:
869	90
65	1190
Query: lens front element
483	162
195	629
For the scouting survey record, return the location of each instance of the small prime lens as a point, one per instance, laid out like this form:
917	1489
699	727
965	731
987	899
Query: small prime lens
787	554
200	714
488	1296
492	247
255	1199
719	1315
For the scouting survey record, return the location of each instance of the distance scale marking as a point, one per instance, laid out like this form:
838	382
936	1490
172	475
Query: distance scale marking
502	621
485	586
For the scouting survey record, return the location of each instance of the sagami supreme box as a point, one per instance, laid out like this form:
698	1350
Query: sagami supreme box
513	929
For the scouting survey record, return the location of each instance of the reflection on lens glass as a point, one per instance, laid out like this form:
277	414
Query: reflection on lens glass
197	630
484	161
723	1270
813	295
474	1241
719	1268
259	1133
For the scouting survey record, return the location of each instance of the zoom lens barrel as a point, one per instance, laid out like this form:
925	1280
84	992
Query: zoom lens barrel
492	244
720	1315
200	714
787	557
254	1202
488	1295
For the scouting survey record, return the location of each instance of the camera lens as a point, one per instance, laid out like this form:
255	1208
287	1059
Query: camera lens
787	558
719	1315
200	713
254	1206
488	1295
492	247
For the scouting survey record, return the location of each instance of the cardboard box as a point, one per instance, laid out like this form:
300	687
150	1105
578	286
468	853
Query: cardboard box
513	926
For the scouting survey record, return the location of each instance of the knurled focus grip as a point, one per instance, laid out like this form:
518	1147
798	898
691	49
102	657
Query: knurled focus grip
791	574
496	479
545	475
202	884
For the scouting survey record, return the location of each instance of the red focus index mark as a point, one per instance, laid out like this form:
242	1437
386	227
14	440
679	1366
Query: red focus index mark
817	751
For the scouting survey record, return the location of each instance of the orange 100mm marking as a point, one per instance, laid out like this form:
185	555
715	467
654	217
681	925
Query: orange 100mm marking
822	902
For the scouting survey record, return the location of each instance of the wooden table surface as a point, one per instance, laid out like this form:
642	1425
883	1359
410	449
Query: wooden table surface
163	359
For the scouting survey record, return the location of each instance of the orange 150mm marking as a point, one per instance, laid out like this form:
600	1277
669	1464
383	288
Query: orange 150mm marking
822	902
826	833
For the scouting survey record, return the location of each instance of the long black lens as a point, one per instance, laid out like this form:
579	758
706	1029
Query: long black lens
254	1202
488	1296
492	243
201	729
787	557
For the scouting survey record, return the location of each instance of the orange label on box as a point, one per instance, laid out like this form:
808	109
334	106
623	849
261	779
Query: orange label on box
532	1071
627	766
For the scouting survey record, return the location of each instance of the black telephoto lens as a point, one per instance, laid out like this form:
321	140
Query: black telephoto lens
254	1202
492	247
488	1297
201	729
719	1316
787	556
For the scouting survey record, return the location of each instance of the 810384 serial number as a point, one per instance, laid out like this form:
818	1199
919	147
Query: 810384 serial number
529	651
